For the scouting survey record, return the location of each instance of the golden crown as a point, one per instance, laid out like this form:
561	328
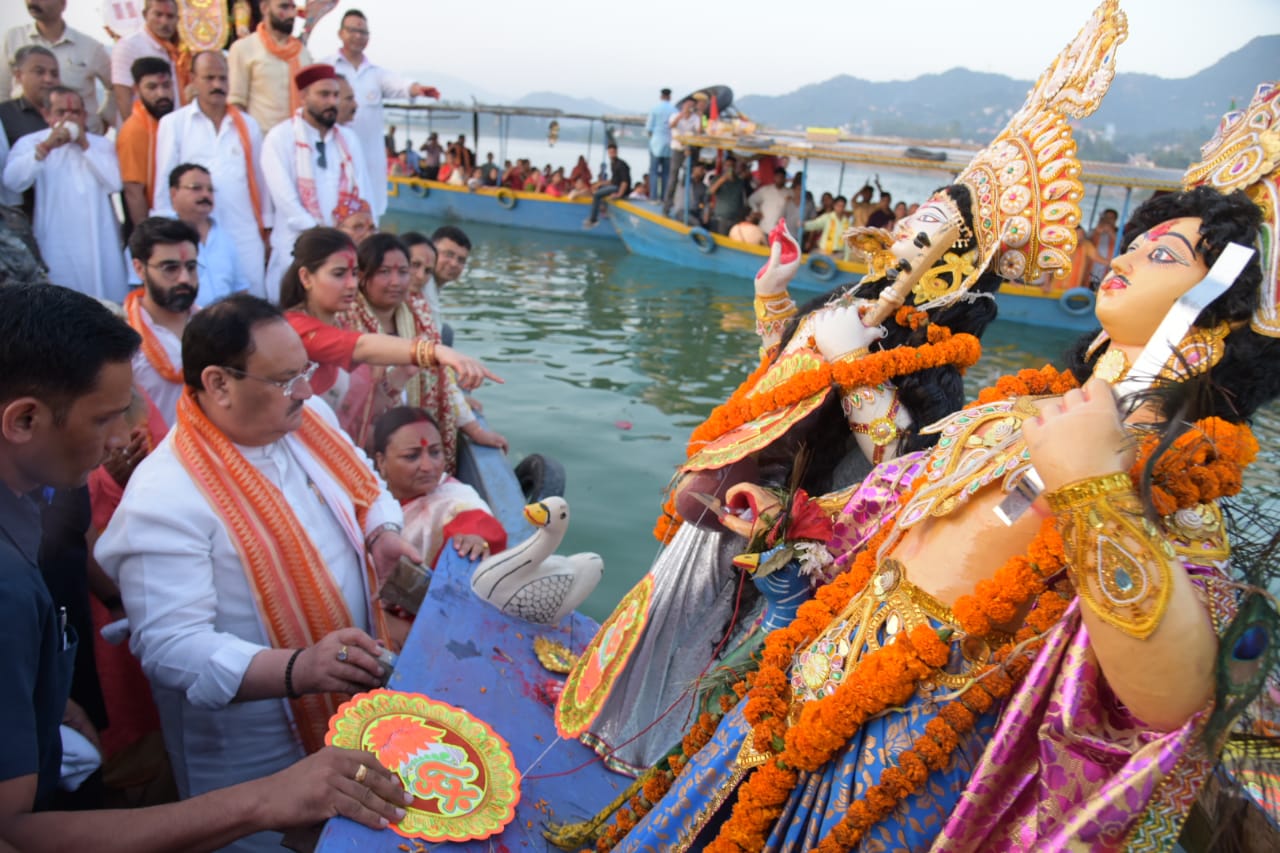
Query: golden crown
1026	185
1244	153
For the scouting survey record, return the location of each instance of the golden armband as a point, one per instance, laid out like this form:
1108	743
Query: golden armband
772	315
1119	561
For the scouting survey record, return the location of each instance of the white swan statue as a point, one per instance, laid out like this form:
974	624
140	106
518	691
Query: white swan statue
530	580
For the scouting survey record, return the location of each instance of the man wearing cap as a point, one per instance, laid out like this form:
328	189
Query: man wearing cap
658	126
264	65
315	171
371	83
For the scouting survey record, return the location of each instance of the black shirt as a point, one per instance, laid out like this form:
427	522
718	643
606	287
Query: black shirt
20	117
620	174
35	669
880	219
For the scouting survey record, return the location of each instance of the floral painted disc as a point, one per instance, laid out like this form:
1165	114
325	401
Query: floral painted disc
461	773
592	678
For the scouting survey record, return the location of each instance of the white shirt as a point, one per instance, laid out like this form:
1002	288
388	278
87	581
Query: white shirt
194	623
371	84
75	224
280	165
772	204
187	135
7	197
162	392
82	61
683	126
132	48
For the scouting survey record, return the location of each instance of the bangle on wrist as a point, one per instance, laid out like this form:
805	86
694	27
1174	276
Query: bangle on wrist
424	353
378	531
288	676
1084	491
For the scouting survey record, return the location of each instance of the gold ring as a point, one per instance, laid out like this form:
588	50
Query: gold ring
362	773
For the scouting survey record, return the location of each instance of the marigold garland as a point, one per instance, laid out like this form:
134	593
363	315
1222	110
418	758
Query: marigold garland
943	349
1197	469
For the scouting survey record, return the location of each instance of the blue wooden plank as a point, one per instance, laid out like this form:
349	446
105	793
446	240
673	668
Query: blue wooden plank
466	653
529	211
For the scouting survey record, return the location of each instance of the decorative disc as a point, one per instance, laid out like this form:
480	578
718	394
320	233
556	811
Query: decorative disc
554	656
461	773
604	657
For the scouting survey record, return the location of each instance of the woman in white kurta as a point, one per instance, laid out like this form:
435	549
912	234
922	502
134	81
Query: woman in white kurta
75	223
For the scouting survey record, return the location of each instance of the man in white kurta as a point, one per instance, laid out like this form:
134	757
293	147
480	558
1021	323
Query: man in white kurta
158	37
311	142
75	224
371	83
195	623
228	143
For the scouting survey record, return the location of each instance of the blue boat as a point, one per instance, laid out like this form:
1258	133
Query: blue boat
467	653
494	206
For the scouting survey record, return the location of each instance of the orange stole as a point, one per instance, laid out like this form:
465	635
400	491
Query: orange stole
255	194
288	54
295	593
151	346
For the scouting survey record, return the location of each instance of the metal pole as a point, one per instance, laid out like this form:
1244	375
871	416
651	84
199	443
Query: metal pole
688	183
840	186
1124	213
804	189
1093	211
591	135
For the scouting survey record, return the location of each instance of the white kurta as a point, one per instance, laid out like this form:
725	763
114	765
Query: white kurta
162	392
188	136
195	626
75	223
280	165
372	83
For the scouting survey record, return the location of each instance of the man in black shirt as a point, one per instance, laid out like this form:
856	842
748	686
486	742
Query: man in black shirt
35	69
65	384
618	185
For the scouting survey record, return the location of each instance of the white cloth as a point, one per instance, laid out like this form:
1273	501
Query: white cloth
75	224
7	197
162	392
279	164
431	293
132	48
79	759
195	626
371	83
683	126
187	135
772	204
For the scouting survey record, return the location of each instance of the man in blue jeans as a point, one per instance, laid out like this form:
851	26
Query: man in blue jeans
618	185
658	126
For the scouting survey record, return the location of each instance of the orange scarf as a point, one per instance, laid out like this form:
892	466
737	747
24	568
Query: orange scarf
180	59
250	169
151	346
296	595
289	53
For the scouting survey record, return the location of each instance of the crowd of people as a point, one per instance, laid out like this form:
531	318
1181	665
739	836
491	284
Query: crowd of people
240	410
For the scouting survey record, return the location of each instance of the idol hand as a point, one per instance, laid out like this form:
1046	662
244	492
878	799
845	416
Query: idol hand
323	785
783	263
470	372
840	331
1078	436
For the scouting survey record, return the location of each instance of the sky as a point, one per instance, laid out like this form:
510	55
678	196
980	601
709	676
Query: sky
622	52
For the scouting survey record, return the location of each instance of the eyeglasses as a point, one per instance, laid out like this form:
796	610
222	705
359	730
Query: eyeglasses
171	269
287	386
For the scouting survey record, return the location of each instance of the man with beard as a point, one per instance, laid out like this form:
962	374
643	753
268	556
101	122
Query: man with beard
347	106
191	195
74	173
164	253
228	143
264	65
159	38
315	170
136	141
82	61
371	83
248	550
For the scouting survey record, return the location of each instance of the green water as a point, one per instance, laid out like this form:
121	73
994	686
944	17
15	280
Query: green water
611	360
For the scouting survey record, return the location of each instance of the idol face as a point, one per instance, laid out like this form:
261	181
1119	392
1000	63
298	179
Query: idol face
1147	278
921	238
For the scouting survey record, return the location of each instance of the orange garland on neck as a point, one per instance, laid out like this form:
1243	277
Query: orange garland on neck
942	350
1204	464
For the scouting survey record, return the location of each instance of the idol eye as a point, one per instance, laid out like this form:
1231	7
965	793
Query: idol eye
1164	256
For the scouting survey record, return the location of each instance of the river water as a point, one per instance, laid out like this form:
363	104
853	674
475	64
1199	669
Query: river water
611	360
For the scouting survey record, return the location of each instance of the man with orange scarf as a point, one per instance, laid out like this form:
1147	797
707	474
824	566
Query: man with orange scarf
264	64
136	141
159	38
248	549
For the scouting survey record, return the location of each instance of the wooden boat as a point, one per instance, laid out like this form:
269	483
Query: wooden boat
645	231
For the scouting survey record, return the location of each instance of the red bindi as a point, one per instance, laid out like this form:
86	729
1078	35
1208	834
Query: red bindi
1160	230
